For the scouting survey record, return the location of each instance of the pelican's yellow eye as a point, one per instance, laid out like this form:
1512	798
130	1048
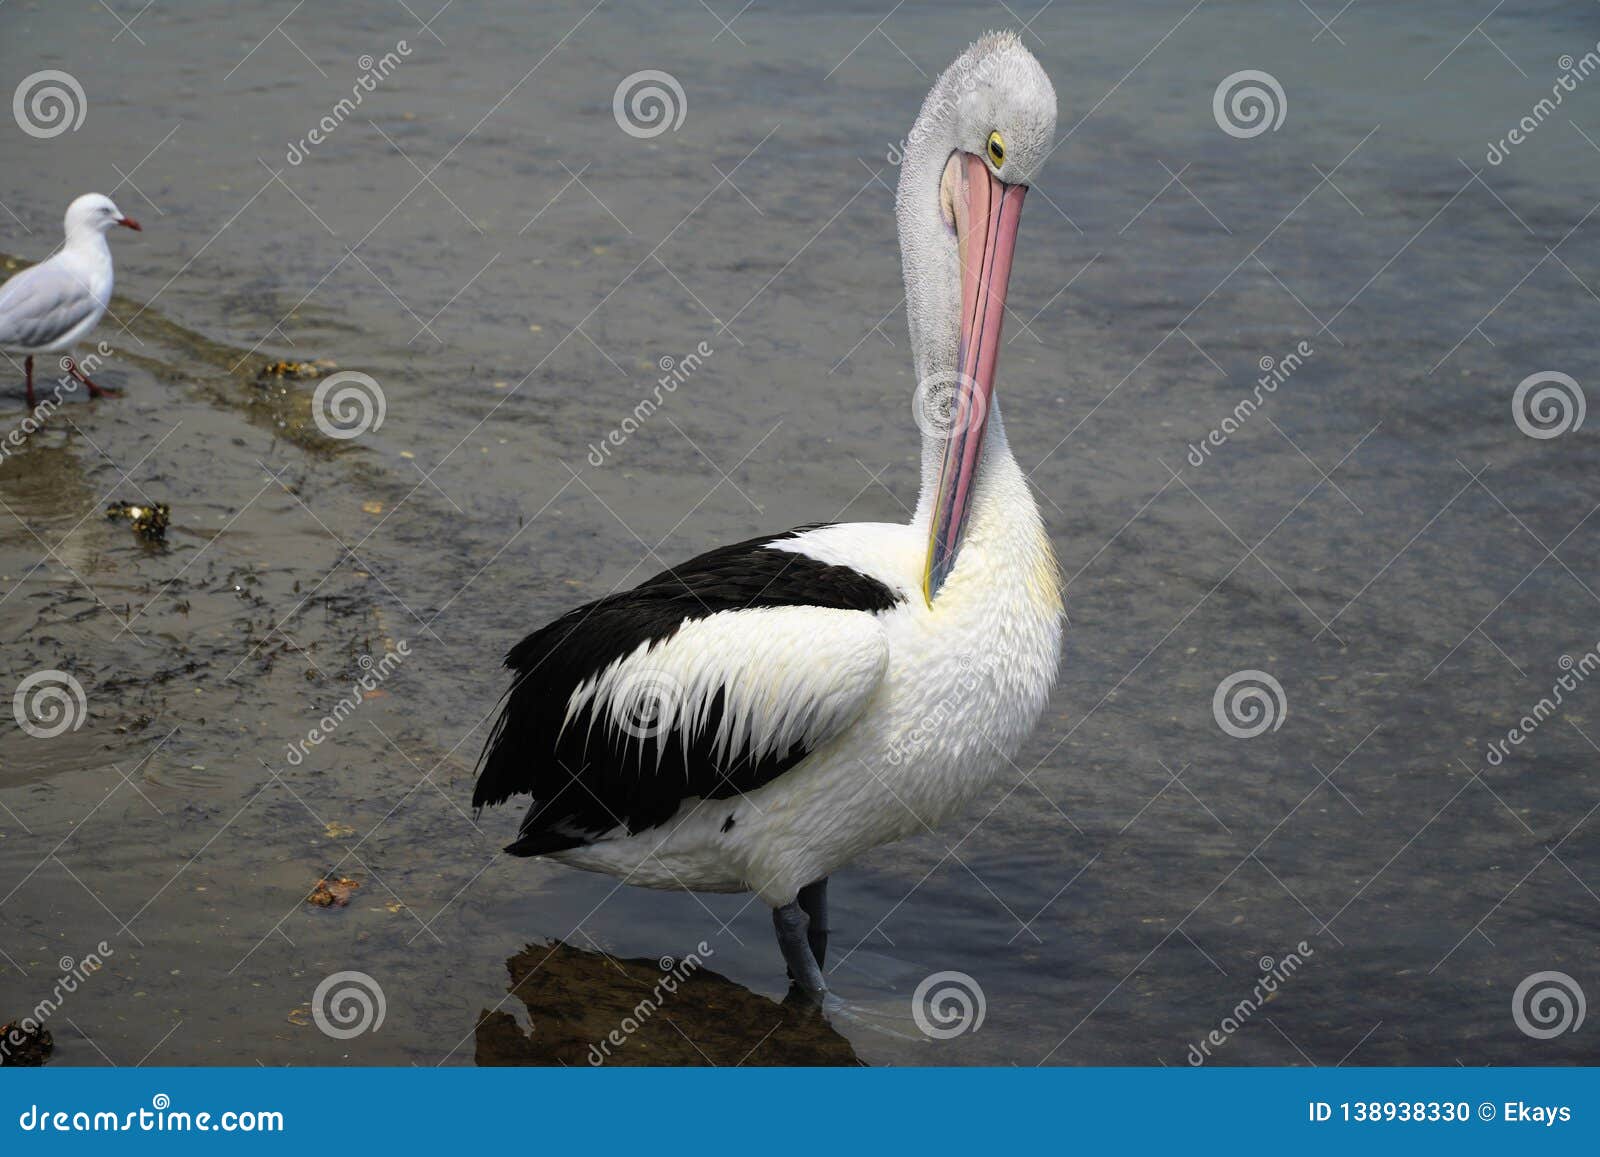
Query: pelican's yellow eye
997	149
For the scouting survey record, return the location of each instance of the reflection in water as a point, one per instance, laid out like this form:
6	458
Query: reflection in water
587	1008
42	476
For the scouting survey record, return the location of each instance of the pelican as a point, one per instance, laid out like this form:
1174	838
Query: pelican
52	306
756	717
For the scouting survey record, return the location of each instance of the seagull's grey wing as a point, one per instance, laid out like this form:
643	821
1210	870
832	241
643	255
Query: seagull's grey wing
40	305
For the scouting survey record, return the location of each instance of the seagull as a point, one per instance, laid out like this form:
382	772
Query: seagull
755	718
52	306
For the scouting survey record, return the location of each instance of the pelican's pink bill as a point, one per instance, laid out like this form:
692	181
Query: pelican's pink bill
986	212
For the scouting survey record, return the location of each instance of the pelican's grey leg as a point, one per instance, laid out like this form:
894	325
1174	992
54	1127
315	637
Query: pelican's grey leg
813	900
790	922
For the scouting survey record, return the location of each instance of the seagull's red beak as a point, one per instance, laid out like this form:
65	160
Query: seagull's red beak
986	212
130	223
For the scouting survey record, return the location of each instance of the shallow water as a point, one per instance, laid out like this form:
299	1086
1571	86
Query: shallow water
482	239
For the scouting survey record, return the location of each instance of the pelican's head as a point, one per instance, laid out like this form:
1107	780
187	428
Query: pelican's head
93	214
984	131
1000	105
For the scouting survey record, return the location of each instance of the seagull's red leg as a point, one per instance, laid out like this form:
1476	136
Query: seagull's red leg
94	390
27	367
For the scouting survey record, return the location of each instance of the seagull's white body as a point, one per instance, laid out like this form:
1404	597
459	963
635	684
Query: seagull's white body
941	699
52	306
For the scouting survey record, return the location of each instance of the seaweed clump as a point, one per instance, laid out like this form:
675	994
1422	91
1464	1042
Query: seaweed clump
149	520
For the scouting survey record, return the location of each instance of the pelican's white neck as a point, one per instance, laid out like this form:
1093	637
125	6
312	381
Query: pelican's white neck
928	255
931	264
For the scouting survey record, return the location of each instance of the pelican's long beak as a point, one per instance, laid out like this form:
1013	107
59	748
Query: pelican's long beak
986	212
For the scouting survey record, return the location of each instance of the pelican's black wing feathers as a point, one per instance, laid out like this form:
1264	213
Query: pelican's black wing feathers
587	778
